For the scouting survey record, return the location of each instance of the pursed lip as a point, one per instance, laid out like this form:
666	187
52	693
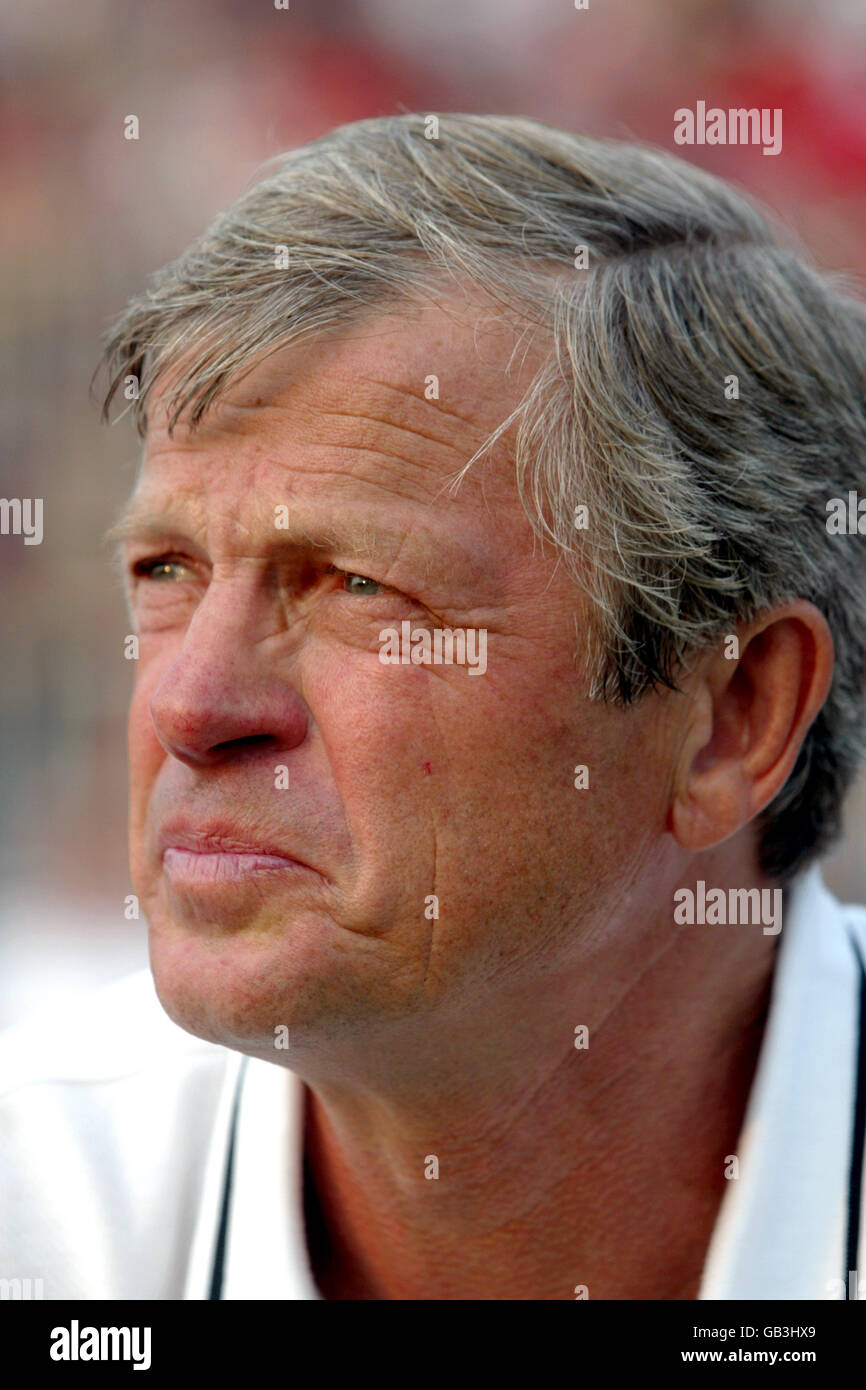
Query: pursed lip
222	838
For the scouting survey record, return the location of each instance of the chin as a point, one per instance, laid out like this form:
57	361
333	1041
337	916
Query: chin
239	987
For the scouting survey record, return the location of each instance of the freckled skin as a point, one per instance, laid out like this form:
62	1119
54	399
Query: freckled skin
450	1035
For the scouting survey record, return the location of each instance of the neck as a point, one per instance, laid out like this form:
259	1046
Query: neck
541	1168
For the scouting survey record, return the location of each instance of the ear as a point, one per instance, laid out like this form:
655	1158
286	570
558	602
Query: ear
749	715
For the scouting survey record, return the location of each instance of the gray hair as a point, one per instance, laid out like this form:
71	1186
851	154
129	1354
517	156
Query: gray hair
703	511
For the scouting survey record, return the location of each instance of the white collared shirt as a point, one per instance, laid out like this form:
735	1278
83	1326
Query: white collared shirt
783	1228
139	1162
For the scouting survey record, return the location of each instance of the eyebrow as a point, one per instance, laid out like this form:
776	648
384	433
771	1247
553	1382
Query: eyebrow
136	524
358	538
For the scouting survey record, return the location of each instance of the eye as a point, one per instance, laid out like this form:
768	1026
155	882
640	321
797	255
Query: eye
359	584
162	568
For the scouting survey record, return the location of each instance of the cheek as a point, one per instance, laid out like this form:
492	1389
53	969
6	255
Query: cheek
146	753
379	735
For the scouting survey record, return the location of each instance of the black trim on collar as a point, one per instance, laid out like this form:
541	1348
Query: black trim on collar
858	1138
219	1256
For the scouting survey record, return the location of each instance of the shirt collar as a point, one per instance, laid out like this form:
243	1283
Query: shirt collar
781	1229
265	1250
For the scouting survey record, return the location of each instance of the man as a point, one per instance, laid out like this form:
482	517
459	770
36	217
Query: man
500	676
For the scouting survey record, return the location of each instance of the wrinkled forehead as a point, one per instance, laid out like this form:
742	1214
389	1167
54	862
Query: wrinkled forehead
376	420
455	358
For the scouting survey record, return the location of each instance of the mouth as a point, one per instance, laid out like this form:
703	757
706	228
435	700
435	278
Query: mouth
196	854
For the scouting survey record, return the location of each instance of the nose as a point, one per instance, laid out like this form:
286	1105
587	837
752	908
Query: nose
219	698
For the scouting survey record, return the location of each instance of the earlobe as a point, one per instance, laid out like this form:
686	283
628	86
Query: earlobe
709	810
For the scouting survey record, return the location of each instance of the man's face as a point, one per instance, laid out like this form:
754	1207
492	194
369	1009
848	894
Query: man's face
320	840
